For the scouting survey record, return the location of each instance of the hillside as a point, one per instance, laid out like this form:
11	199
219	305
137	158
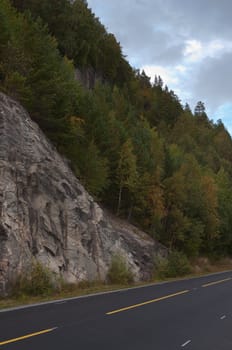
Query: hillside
132	144
47	216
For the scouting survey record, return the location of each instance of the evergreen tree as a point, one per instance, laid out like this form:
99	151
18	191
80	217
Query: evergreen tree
126	172
130	142
199	109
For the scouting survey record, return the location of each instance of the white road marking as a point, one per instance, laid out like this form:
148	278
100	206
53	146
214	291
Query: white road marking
61	302
186	343
223	317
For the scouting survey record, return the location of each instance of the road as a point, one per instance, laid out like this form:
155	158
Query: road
193	314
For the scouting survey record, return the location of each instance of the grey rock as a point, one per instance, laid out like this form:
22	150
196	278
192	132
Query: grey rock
88	77
46	215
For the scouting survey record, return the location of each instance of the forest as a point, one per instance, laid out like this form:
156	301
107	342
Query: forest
137	149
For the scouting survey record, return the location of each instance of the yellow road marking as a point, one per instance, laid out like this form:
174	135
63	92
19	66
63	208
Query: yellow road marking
26	336
216	282
146	302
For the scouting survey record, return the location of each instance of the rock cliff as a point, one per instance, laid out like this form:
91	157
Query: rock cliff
46	214
88	77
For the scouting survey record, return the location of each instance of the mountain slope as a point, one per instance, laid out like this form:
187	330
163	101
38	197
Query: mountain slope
131	143
46	214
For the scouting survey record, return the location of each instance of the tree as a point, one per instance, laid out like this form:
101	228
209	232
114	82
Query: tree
158	82
199	109
127	175
187	108
223	243
130	142
209	212
184	224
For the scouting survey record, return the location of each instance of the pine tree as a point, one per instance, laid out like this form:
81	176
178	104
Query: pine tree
199	109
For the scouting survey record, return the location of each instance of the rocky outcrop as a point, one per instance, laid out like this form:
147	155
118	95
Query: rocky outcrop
46	214
88	77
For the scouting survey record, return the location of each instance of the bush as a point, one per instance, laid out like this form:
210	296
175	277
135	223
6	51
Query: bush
119	273
39	281
175	265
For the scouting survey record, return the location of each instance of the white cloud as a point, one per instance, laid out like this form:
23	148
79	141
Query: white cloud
196	51
193	50
175	77
167	74
187	43
181	68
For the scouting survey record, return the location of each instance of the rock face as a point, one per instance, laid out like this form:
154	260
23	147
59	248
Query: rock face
46	214
88	77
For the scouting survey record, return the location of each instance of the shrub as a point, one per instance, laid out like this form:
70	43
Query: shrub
39	281
175	265
119	273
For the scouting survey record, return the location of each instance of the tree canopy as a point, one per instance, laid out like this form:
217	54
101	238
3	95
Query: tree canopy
131	142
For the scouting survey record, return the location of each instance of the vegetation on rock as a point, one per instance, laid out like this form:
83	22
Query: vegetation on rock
131	142
119	272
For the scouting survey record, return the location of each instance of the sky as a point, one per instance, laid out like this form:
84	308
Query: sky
188	43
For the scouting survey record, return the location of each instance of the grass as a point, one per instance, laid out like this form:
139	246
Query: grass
200	267
71	291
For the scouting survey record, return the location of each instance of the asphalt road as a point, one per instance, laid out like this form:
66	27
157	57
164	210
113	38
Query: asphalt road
194	314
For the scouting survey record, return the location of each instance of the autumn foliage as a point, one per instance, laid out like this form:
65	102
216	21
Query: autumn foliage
130	141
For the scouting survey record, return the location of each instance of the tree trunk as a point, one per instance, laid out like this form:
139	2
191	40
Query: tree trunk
119	200
130	213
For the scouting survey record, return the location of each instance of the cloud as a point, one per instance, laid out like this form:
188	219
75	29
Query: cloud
167	74
175	77
213	81
196	50
140	28
189	43
202	20
171	54
193	50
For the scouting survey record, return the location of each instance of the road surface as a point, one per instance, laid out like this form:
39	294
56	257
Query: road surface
193	314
